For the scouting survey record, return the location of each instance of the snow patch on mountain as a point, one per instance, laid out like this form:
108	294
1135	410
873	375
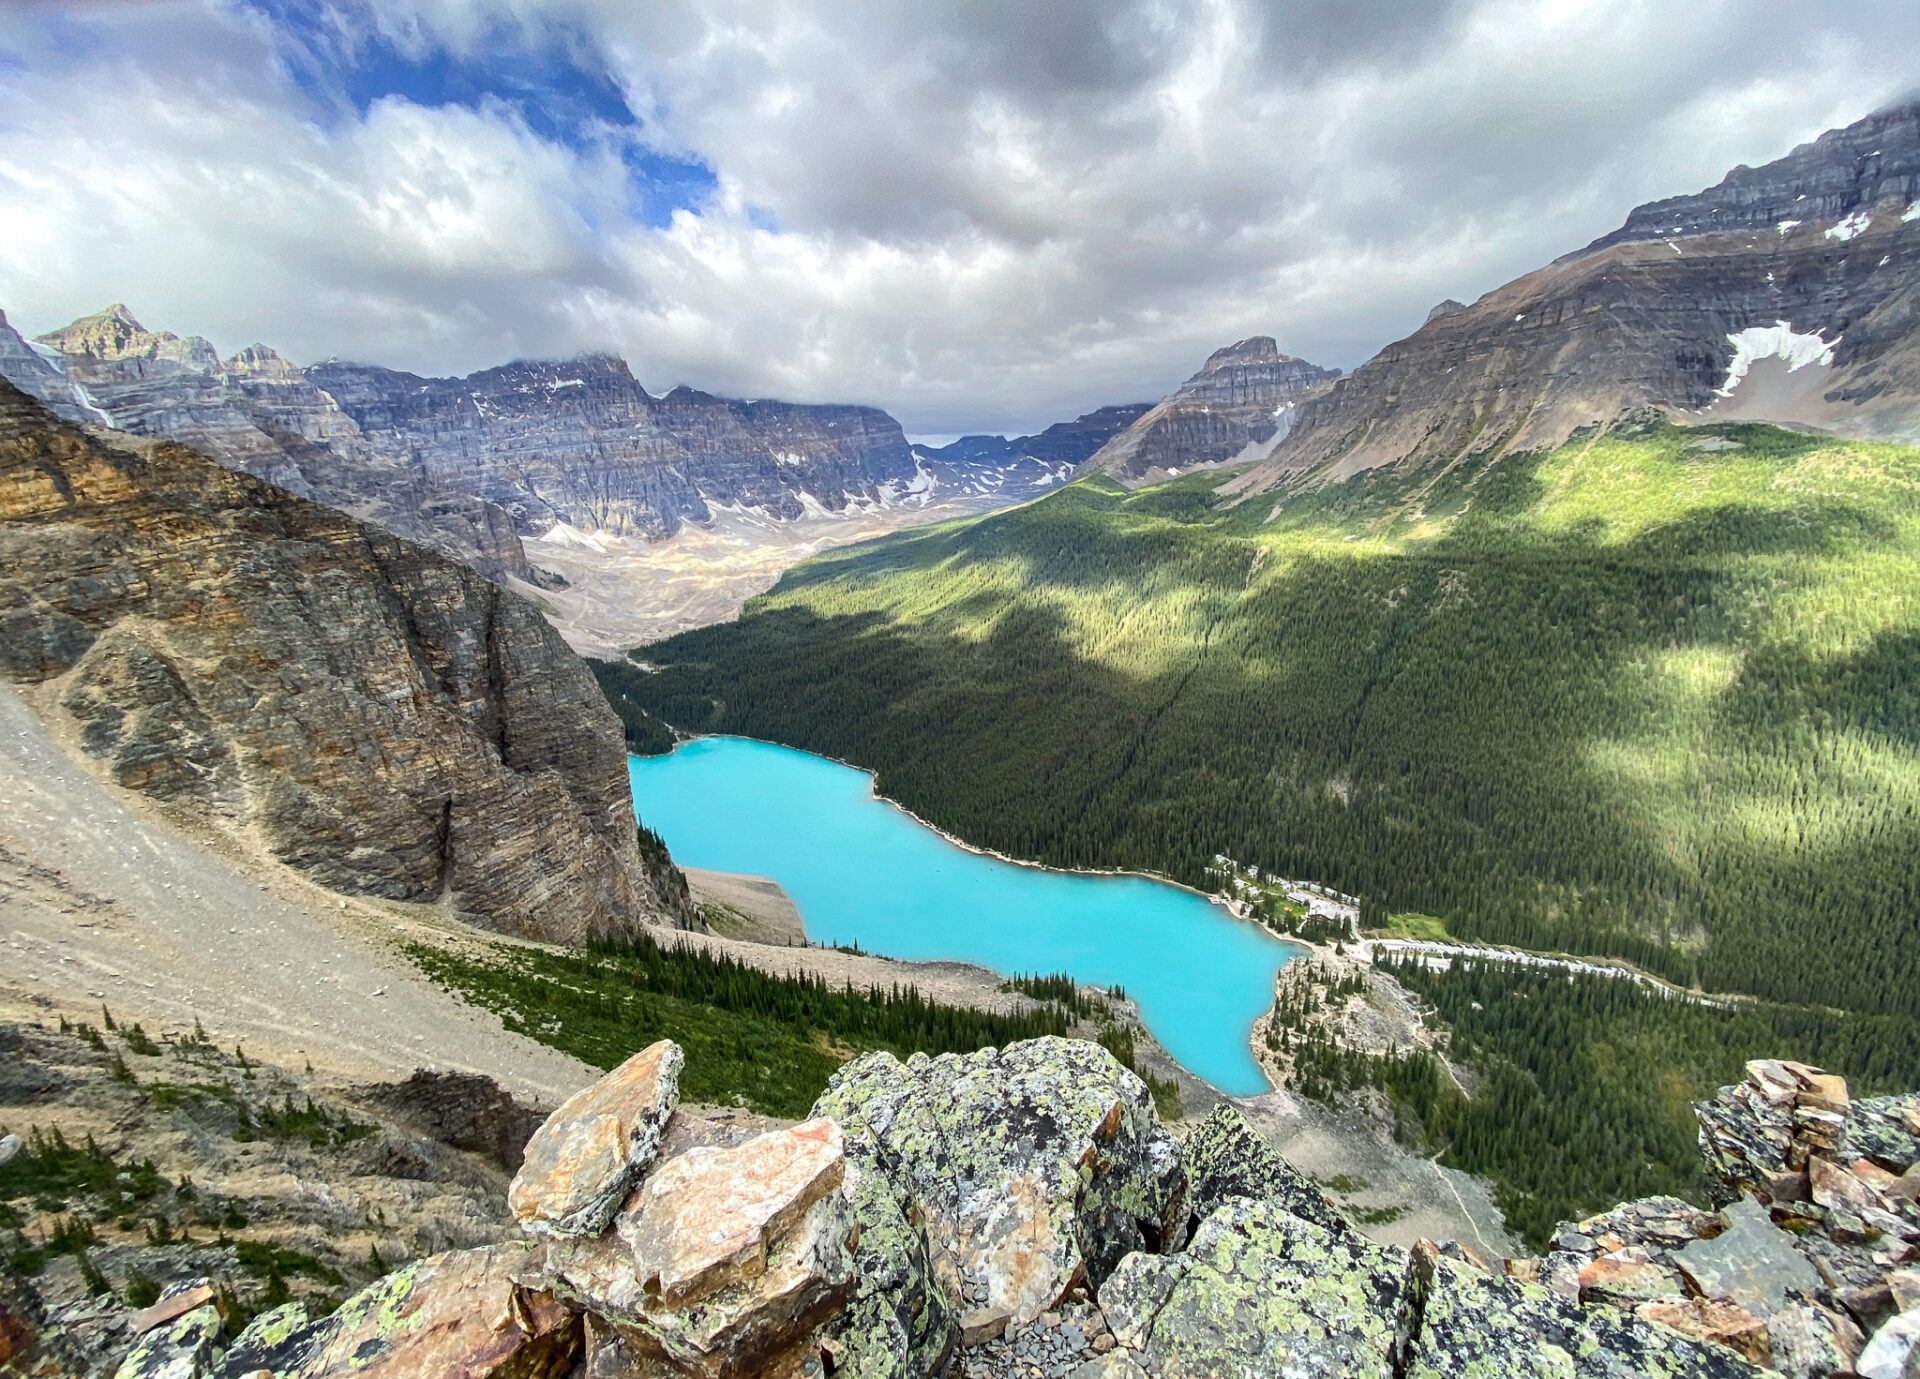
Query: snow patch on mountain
1853	225
1777	341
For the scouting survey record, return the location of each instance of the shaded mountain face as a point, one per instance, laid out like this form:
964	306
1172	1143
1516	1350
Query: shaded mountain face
375	714
985	465
255	412
471	465
580	442
1787	293
1237	408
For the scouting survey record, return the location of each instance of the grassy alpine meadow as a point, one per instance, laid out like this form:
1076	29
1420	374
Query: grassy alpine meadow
1654	694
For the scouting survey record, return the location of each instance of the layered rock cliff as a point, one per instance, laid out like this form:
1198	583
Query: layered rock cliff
373	713
1237	408
1787	293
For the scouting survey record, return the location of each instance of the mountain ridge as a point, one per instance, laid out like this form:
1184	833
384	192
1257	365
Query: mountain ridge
1823	244
1237	408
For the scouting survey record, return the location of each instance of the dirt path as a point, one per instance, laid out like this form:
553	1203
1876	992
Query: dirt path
101	900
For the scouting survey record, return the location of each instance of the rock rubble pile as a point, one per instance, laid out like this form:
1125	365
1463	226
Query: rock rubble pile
1021	1212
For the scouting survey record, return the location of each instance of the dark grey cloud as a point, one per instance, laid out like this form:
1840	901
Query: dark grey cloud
981	214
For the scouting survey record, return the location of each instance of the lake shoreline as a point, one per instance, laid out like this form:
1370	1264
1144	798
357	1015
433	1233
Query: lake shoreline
873	778
736	803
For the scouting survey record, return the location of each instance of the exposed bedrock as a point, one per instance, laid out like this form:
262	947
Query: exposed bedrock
373	713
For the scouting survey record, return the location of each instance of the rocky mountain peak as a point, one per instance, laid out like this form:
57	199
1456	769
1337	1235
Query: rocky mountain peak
1254	349
1783	293
113	335
1237	408
261	361
1446	308
1841	172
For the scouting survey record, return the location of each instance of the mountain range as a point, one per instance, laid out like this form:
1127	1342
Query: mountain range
473	465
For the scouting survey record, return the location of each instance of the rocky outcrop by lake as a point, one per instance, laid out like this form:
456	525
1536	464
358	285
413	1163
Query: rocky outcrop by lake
366	710
1021	1212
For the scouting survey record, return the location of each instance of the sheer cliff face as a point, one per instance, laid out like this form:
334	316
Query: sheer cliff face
1237	408
258	413
1680	309
581	442
378	716
470	465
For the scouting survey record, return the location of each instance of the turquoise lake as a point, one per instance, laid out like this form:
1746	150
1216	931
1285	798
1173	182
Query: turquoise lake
861	869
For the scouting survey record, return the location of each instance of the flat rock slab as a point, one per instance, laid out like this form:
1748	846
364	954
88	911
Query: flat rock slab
1476	1326
707	1218
581	1164
1751	1264
1258	1293
179	1345
721	1264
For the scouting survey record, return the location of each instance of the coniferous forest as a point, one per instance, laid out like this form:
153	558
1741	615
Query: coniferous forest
1636	697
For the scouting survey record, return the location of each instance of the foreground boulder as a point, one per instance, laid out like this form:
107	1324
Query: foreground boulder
458	1314
724	1261
582	1162
1260	1291
1003	1178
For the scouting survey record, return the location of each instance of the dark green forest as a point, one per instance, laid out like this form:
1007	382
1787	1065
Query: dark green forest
1583	1084
1633	697
771	1041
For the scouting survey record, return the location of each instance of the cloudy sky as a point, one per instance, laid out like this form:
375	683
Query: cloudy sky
979	214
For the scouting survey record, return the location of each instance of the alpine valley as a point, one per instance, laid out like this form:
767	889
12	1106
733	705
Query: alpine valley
1539	702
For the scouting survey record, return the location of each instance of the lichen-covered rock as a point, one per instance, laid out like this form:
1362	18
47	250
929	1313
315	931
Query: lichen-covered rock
1225	1157
1886	1130
723	1260
1475	1326
1029	1166
1809	1341
455	1314
181	1347
272	1341
581	1164
1259	1292
1753	1263
899	1322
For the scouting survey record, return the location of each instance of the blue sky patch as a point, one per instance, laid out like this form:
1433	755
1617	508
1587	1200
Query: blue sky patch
553	79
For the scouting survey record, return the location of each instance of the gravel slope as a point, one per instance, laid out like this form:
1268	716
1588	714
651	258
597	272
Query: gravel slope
102	900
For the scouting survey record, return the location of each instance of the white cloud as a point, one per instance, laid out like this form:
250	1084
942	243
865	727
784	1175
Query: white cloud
987	214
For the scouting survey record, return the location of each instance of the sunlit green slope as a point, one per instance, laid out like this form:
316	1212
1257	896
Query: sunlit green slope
1656	693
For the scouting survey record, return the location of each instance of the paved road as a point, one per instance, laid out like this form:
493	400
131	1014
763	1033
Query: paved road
100	900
